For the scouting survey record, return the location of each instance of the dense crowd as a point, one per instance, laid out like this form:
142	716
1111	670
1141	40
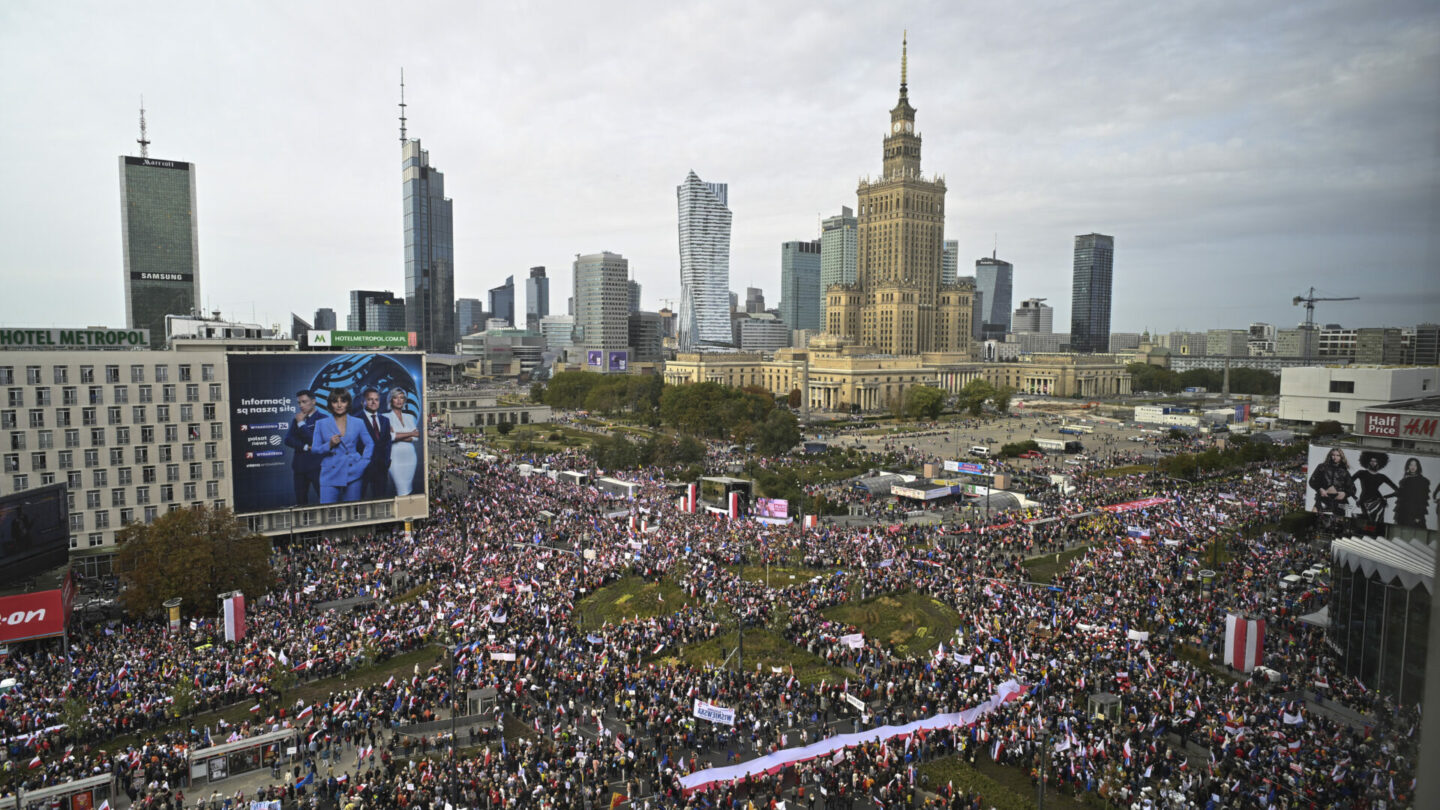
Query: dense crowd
592	715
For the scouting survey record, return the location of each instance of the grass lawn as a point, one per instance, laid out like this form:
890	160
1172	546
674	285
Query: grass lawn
401	666
1000	786
781	576
1044	568
766	648
1129	469
910	622
627	598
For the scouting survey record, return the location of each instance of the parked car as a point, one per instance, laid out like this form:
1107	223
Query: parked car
1032	454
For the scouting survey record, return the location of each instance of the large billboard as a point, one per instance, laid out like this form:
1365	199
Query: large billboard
356	433
34	532
1375	487
771	508
38	614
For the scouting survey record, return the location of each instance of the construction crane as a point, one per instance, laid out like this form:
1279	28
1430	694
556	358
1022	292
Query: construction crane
1309	302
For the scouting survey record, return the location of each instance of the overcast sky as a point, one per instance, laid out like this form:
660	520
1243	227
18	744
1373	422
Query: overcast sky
1239	152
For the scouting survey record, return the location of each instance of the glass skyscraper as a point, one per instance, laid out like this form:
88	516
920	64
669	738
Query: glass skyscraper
995	279
1090	293
704	263
161	242
800	285
537	298
502	301
602	307
838	246
950	262
429	253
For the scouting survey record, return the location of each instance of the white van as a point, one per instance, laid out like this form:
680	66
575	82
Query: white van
980	450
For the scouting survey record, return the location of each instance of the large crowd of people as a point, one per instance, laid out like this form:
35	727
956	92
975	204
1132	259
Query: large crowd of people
589	716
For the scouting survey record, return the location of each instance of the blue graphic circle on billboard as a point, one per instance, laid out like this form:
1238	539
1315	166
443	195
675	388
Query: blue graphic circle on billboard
354	373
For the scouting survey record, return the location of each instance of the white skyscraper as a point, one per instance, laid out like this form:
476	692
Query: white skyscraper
704	263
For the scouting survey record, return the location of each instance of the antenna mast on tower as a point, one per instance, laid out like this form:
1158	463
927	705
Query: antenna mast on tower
403	140
143	140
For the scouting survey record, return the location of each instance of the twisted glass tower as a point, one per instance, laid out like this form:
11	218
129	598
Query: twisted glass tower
704	263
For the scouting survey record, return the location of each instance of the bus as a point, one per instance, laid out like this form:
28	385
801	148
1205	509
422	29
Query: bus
1060	445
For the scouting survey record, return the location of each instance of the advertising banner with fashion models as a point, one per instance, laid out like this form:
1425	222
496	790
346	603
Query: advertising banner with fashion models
1397	487
313	428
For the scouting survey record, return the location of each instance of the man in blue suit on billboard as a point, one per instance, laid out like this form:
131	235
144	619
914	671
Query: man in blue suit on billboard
377	476
304	465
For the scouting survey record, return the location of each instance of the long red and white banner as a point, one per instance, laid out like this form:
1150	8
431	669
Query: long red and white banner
770	763
1244	642
1131	506
234	607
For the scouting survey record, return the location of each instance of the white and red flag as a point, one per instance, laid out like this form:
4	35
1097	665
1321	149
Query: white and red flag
1244	642
234	607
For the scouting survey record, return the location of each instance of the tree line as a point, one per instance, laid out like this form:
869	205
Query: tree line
1145	377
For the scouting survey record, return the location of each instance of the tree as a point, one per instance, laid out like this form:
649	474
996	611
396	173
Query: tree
1329	427
792	399
777	434
1001	398
923	402
504	428
974	394
195	554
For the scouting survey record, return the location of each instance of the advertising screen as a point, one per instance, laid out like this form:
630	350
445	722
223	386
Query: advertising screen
772	508
315	428
592	358
1374	486
34	532
618	361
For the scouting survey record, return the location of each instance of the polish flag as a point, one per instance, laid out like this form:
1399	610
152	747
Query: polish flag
1244	642
36	762
235	617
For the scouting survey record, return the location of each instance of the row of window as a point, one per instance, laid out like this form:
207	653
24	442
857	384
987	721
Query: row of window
124	476
45	439
127	516
114	415
34	375
120	394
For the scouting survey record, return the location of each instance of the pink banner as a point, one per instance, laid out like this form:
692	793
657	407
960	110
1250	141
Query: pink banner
1130	506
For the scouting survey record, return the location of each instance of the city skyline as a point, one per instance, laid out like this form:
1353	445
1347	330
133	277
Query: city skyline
1308	150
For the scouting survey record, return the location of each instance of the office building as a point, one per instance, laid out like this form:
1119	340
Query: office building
898	304
994	279
647	337
360	301
950	261
704	262
558	331
1227	343
537	297
1335	393
1379	346
800	284
429	252
1422	345
1123	341
667	321
502	301
160	239
1090	293
1033	315
633	295
977	306
839	237
470	316
602	307
754	300
386	315
761	332
1335	342
325	319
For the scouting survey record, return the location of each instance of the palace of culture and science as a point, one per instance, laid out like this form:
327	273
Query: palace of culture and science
899	303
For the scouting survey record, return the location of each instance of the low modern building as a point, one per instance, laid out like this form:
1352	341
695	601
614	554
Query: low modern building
1322	393
471	409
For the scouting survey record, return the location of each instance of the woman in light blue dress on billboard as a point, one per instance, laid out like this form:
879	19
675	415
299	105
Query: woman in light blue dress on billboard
405	434
344	451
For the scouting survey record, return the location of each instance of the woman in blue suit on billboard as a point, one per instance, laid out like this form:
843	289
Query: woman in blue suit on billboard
344	452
